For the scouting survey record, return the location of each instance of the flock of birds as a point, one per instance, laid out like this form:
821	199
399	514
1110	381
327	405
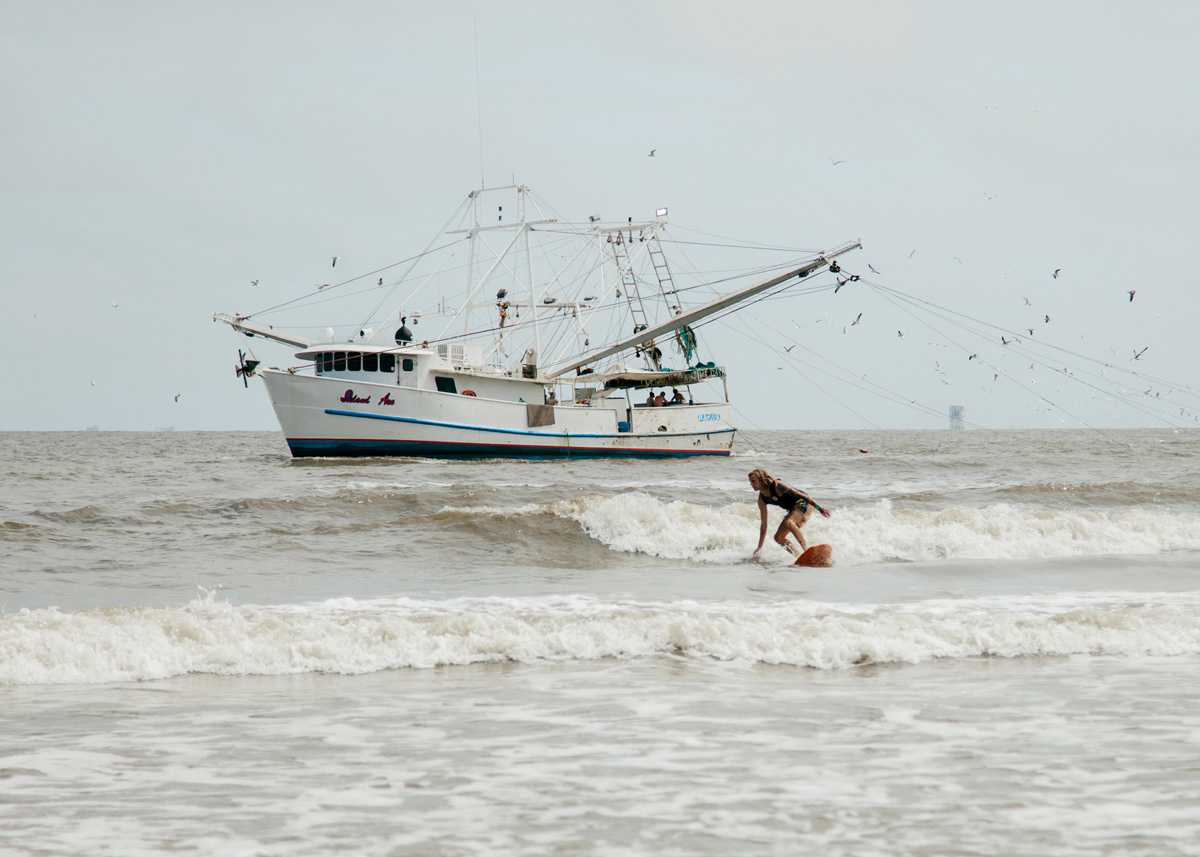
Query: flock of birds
1004	340
1136	353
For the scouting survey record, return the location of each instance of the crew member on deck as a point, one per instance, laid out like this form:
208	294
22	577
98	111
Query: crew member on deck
797	505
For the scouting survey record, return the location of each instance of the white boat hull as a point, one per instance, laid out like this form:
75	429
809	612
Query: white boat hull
323	416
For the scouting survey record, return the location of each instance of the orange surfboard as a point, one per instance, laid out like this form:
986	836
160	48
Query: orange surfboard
817	556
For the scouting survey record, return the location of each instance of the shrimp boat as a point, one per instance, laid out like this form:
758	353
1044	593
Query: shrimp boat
535	338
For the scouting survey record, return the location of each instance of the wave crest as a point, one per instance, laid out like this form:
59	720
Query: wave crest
352	637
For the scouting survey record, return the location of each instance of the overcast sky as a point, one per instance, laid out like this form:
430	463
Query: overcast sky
160	155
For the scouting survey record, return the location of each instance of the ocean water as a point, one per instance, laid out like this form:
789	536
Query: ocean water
207	647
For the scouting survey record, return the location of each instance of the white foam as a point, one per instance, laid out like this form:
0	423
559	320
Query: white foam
348	636
636	522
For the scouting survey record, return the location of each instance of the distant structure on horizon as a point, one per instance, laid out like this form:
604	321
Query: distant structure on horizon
957	415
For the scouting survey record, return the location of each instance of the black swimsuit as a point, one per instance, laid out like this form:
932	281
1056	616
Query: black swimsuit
789	499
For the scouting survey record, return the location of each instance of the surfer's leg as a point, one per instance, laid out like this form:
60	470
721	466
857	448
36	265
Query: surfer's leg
781	536
794	521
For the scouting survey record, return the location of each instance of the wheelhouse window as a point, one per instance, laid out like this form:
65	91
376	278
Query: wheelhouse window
407	364
445	385
317	363
326	361
354	361
387	363
339	361
370	362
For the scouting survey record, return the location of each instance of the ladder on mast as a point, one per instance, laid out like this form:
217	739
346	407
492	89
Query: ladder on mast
629	286
662	272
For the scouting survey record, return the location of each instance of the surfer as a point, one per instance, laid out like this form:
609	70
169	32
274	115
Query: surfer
797	505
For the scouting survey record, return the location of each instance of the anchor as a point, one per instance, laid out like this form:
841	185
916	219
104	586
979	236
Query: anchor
245	368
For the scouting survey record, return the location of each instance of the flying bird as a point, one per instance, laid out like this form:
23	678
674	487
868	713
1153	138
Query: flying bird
1030	329
835	163
254	282
652	151
1004	341
857	319
995	376
177	395
380	283
911	252
973	356
334	265
1137	355
115	304
1132	292
1047	319
1027	303
1055	274
790	347
839	285
872	267
900	334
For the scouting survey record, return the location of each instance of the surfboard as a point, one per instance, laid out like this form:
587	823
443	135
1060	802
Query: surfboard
817	556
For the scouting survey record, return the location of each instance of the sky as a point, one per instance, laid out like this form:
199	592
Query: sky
158	156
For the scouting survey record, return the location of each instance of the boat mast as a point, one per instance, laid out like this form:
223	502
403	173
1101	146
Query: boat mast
533	293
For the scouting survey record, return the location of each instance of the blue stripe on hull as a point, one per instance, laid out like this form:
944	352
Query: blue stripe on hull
307	447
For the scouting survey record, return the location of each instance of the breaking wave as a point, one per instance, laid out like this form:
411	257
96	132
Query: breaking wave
353	637
678	529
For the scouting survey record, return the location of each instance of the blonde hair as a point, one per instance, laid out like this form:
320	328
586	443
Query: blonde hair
768	482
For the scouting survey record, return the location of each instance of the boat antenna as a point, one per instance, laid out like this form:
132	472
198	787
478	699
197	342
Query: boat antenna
478	97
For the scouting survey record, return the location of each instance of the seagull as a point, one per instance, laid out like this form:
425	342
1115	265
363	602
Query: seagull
380	283
911	252
177	395
973	356
652	151
835	163
115	304
1047	319
790	347
996	376
1030	329
1137	355
872	267
857	319
864	451
900	334
1132	292
1055	274
1004	341
334	265
254	282
93	383
1027	303
839	285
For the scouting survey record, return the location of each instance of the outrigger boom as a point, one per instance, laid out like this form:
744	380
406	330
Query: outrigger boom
643	337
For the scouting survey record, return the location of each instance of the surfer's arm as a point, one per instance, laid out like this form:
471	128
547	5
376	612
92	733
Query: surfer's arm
809	497
762	529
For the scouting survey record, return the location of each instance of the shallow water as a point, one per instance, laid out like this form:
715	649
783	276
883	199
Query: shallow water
206	646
